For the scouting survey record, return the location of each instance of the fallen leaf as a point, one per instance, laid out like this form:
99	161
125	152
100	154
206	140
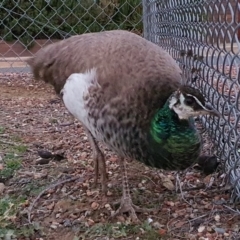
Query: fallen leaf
167	182
179	224
51	206
90	222
162	232
94	205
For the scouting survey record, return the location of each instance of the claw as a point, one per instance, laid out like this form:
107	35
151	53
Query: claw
127	205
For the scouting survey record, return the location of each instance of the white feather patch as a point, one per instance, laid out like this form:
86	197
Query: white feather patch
74	91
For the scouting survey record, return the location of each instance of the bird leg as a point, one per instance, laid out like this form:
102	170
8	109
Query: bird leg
126	204
99	163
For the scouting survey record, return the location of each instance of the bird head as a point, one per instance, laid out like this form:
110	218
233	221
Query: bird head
188	102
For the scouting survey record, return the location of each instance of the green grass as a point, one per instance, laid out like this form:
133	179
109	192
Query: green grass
12	163
32	188
11	205
143	231
12	155
9	211
20	148
2	130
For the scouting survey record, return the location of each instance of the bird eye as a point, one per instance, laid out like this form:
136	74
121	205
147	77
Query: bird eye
189	100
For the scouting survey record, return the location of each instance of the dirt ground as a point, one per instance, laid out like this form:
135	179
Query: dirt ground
54	198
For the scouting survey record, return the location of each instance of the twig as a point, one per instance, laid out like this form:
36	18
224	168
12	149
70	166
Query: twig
143	175
202	186
45	190
231	209
180	188
66	124
194	219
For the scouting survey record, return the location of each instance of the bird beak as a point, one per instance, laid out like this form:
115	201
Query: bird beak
211	111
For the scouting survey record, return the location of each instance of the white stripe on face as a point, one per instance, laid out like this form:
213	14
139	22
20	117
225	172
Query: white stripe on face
198	102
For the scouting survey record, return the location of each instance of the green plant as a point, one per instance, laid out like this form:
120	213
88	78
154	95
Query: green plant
120	230
26	20
2	130
12	161
9	209
10	167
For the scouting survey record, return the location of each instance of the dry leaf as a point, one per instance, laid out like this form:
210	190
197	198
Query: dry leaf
167	182
94	205
51	206
162	232
179	224
90	222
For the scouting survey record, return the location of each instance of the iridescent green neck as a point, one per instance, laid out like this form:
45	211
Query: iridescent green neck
166	123
172	143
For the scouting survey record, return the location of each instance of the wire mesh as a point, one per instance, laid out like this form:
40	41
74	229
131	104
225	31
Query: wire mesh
203	36
26	26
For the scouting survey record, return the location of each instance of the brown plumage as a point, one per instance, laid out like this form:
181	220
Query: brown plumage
126	59
134	77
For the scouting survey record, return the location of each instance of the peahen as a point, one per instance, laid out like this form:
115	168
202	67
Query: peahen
127	93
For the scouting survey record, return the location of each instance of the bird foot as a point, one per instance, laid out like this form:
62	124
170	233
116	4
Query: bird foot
127	206
100	169
103	183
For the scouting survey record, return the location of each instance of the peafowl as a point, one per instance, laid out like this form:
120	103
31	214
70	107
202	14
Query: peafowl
127	93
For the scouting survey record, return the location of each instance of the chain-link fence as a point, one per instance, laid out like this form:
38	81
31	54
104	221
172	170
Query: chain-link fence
26	26
203	36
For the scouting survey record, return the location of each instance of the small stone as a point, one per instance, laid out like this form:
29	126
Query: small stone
201	229
217	218
107	206
53	226
67	223
219	230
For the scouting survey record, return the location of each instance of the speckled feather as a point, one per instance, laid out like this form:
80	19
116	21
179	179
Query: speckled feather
135	77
